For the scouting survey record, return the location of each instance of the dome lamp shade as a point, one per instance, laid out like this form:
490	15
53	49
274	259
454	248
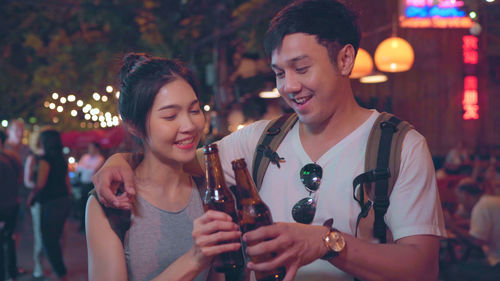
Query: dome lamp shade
363	65
394	54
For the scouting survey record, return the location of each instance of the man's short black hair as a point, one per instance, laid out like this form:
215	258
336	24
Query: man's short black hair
331	21
470	186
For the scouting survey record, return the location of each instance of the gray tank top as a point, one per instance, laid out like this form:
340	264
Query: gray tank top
156	238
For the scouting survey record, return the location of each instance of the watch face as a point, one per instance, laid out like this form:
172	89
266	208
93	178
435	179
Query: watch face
336	241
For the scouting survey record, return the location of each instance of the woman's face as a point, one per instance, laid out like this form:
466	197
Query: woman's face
175	123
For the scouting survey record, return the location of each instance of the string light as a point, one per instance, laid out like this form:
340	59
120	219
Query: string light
95	114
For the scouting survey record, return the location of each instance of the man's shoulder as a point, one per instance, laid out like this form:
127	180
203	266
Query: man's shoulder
252	130
488	201
12	156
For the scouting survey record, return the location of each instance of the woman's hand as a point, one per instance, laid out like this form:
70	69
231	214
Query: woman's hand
214	233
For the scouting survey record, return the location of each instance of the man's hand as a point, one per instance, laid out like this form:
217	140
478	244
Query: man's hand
115	175
295	245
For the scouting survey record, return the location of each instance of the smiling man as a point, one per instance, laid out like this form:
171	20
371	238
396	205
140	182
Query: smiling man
313	44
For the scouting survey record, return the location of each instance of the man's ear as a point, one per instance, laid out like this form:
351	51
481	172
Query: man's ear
345	60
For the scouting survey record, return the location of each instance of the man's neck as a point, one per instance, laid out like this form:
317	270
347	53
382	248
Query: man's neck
14	145
319	139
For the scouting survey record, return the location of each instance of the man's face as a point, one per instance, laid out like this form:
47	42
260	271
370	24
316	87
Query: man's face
306	78
15	132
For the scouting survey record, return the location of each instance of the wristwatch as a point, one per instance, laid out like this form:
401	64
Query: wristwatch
333	240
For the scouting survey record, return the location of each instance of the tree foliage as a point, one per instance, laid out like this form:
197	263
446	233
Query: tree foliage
75	46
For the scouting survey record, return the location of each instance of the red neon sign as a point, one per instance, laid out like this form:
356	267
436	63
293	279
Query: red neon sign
470	98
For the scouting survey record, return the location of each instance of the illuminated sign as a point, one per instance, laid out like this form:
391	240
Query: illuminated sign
470	98
433	14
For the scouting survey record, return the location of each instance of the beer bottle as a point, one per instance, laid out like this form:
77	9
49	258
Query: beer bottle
252	214
218	197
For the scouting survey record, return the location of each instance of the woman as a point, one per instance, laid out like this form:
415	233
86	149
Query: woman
30	177
52	191
168	237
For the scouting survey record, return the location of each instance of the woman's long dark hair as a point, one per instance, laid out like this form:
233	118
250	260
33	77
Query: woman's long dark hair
51	143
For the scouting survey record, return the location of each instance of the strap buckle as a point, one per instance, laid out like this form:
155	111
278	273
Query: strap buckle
269	153
381	204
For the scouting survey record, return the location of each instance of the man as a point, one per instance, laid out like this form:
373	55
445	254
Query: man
86	168
11	177
14	141
312	45
483	232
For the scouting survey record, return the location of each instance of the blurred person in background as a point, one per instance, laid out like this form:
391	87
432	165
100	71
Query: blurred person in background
89	163
52	191
11	178
14	143
30	177
482	232
457	160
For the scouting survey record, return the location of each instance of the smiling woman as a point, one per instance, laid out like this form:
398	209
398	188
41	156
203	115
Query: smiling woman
160	108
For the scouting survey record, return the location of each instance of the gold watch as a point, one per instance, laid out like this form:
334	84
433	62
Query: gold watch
333	240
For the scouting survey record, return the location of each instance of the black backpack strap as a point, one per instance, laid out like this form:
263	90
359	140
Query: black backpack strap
269	141
118	219
381	200
382	160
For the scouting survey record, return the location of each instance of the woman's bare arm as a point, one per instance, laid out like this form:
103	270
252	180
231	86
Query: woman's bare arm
106	258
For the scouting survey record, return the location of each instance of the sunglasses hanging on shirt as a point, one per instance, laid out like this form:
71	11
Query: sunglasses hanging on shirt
304	210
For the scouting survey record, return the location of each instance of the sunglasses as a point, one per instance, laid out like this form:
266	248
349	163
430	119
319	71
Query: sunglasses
304	210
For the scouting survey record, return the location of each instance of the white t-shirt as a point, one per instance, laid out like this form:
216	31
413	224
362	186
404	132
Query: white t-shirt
414	202
485	225
88	165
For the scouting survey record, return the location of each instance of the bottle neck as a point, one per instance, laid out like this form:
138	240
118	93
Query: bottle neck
245	186
214	173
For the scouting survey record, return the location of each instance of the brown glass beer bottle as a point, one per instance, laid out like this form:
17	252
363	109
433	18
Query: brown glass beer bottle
252	214
218	197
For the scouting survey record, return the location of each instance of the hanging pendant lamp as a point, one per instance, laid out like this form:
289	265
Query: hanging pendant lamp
374	77
363	65
394	55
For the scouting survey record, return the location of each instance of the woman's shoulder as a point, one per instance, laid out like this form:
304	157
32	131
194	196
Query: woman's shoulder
118	219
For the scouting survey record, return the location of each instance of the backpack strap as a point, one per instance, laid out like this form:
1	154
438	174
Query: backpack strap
118	219
382	168
269	141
